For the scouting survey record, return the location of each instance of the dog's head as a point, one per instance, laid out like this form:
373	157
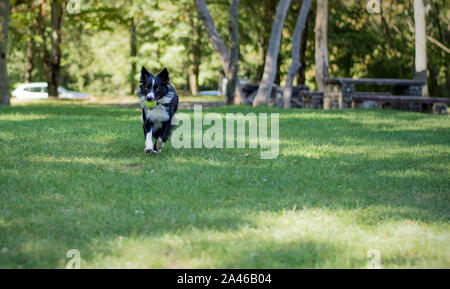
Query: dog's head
154	87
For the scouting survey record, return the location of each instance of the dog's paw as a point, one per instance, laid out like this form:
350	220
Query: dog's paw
159	144
147	151
156	151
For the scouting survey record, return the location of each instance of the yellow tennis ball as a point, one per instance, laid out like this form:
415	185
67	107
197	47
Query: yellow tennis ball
150	104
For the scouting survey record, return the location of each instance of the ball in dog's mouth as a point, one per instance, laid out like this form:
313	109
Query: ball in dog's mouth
150	104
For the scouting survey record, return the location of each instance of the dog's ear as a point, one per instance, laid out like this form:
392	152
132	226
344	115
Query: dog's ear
144	73
164	75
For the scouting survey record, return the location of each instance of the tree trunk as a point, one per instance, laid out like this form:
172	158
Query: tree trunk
296	40
43	47
233	44
387	48
387	33
277	80
221	78
214	37
433	88
193	81
270	71
4	81
29	61
443	37
262	52
421	44
321	44
194	56
57	11
30	53
264	34
218	44
301	78
52	59
133	55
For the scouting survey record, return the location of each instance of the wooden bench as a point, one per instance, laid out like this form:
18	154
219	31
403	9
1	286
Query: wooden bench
338	91
437	105
276	99
311	99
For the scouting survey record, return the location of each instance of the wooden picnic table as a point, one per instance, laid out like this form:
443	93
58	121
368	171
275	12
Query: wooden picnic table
338	91
437	105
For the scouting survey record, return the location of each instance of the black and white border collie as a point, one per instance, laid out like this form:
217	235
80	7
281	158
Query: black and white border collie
157	121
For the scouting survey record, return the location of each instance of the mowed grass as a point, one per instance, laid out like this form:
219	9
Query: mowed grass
75	176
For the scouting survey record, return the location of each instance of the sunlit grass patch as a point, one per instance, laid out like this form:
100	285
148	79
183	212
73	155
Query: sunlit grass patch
75	175
306	238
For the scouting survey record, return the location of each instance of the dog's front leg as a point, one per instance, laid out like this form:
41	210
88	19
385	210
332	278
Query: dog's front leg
149	141
159	144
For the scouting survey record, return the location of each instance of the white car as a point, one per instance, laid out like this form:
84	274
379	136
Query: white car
39	90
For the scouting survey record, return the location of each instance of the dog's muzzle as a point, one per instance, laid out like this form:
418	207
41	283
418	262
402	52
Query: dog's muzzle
150	96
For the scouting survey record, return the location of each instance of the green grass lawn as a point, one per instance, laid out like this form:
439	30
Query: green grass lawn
76	177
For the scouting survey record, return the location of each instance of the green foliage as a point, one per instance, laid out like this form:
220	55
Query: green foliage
96	43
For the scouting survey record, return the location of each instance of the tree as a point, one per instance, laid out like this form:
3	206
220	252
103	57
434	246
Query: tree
233	43
130	20
133	55
125	13
438	55
421	44
4	81
321	44
96	41
194	56
52	59
266	19
30	38
30	55
194	44
301	73
296	41
228	57
270	71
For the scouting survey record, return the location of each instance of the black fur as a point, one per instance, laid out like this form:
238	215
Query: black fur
158	120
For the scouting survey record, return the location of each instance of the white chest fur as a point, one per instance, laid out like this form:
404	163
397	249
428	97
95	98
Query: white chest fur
158	114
